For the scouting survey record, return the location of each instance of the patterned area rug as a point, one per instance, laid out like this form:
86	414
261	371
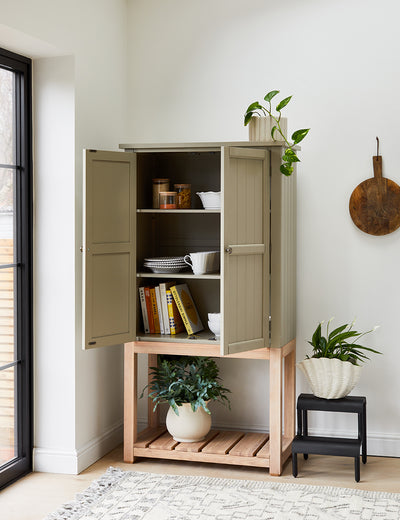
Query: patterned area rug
128	495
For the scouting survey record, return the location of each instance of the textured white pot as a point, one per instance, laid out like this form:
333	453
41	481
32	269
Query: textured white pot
188	426
330	378
260	128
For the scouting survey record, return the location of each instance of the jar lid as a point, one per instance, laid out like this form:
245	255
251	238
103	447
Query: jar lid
182	185
160	181
167	193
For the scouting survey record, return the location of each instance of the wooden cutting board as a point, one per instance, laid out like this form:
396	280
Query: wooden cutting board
375	203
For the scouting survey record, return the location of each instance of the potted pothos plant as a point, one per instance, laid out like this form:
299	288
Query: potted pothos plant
187	384
334	369
264	125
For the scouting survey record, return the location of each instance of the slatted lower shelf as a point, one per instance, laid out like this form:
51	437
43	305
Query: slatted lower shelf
219	446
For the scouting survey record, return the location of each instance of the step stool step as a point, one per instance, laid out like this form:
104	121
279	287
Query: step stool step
326	445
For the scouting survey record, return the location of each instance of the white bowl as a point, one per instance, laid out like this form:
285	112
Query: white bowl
215	328
210	199
214	317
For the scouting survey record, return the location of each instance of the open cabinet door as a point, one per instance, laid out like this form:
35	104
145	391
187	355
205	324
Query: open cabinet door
245	266
109	257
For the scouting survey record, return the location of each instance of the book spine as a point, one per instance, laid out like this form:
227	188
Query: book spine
181	310
164	307
149	311
160	315
144	310
155	310
171	312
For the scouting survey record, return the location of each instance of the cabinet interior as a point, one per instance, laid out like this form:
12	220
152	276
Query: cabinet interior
177	233
200	169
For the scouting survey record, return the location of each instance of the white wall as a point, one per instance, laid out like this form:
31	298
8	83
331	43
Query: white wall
195	67
80	94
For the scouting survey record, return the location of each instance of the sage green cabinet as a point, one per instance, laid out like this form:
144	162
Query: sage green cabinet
254	231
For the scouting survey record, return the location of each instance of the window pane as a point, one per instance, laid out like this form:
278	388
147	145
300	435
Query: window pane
8	352
7	220
8	441
7	117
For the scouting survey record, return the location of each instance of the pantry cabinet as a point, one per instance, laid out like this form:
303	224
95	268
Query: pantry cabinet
254	289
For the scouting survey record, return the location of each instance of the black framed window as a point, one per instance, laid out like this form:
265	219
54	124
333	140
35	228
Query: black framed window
15	267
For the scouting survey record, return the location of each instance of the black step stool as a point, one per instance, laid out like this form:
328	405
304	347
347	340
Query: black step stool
303	443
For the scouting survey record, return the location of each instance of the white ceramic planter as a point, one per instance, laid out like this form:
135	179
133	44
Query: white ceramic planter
260	128
188	426
330	378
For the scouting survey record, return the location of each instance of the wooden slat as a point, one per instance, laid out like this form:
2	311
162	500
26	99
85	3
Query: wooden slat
149	435
264	452
165	442
249	445
196	446
223	442
202	457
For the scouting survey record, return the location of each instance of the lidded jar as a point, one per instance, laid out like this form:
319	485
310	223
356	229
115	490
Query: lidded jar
183	196
159	185
167	199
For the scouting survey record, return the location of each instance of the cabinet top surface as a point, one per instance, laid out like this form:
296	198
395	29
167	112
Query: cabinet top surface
200	145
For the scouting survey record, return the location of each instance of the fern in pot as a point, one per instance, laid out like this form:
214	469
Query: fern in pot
187	384
334	369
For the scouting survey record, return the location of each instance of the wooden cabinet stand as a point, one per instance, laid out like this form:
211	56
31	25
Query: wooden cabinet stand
224	447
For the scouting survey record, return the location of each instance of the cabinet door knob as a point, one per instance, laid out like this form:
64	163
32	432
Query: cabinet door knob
228	250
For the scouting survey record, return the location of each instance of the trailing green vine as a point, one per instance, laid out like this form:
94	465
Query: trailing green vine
256	109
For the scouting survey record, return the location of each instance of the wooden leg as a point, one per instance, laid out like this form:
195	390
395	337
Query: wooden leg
275	412
153	417
130	401
290	395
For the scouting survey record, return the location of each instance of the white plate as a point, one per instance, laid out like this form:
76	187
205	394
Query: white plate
165	259
164	270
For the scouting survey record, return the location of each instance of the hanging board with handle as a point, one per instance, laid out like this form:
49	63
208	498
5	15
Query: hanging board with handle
375	203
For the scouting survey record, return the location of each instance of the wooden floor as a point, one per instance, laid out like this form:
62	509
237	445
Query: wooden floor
37	494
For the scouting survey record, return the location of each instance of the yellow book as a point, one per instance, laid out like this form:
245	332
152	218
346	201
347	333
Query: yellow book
187	308
154	308
175	320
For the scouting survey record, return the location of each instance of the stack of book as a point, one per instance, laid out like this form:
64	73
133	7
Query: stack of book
169	309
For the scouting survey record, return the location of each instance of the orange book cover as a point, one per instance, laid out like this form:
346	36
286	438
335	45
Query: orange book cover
149	309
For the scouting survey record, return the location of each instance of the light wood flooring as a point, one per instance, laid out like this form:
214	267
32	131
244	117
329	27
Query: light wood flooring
38	494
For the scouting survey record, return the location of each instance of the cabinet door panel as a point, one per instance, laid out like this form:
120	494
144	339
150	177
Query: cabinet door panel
245	301
109	248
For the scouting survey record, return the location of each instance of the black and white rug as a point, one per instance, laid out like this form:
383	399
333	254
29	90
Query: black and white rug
129	495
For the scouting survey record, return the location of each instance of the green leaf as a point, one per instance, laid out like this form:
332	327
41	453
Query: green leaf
336	331
270	95
290	158
254	106
317	335
247	118
299	135
283	103
286	169
273	131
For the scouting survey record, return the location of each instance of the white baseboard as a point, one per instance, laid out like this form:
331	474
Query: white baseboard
75	461
55	461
